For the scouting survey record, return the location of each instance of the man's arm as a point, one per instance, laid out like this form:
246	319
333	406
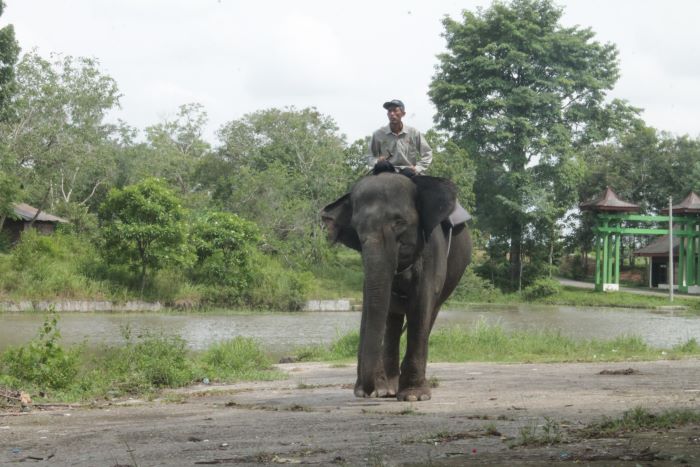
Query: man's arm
374	152
425	156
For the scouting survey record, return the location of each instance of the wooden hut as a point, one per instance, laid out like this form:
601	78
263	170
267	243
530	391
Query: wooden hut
24	214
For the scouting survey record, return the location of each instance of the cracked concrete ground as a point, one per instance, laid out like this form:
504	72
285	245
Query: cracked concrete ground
479	414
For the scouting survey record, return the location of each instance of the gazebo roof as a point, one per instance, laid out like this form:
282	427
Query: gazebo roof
608	201
659	247
690	205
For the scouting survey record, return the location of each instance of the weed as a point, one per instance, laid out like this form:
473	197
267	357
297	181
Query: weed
43	362
240	358
640	419
533	435
491	430
433	382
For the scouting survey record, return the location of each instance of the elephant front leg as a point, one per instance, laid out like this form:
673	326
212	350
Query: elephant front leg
392	339
412	383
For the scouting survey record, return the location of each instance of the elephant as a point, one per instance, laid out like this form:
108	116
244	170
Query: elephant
413	259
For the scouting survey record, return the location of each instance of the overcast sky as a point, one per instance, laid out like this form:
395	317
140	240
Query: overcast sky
344	58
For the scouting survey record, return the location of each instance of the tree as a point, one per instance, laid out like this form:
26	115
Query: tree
9	52
523	94
223	243
177	146
278	168
142	227
57	142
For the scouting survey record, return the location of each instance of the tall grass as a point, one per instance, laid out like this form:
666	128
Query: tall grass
42	267
144	365
485	342
238	359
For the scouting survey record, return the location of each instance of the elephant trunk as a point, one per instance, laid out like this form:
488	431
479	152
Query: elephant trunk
379	263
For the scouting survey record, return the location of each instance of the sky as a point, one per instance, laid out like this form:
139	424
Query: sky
344	58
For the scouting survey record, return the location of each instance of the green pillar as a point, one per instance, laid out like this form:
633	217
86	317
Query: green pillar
682	287
690	256
598	262
617	259
606	266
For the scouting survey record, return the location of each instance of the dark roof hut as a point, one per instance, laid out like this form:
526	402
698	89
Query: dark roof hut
24	214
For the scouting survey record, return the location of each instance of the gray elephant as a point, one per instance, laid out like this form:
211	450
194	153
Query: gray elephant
413	258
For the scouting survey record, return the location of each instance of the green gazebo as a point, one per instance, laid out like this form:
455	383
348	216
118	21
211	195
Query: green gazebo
613	216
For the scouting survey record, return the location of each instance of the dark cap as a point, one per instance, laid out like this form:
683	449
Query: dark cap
394	103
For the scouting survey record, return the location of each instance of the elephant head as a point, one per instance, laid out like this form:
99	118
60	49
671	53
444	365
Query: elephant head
389	218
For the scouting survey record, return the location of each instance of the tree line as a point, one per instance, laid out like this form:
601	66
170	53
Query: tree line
524	126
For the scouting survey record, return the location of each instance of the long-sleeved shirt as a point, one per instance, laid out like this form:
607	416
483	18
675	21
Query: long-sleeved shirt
406	149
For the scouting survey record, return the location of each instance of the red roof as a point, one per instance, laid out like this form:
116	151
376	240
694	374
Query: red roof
608	201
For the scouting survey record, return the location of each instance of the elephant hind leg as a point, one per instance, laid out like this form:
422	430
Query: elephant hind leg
392	339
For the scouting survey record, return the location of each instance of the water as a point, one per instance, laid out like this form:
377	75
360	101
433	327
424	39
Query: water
282	332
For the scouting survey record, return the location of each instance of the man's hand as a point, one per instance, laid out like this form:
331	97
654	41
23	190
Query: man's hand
382	157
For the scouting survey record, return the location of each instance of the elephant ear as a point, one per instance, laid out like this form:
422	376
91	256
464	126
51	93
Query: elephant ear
337	216
436	200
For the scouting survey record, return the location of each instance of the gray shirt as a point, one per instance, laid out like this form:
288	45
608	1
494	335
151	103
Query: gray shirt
406	149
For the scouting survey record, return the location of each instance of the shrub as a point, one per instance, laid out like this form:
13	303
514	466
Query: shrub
275	287
51	266
43	362
224	243
152	361
541	288
474	288
237	358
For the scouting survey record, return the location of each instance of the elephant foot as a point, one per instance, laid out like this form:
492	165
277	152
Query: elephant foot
392	386
414	394
373	391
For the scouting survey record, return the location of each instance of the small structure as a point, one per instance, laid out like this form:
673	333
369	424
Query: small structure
657	253
608	201
609	211
612	217
24	214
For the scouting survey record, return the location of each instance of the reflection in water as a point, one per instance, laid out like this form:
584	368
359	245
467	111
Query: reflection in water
281	332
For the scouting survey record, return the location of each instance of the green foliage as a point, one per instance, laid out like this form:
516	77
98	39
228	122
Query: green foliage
474	288
343	348
43	362
274	287
57	143
278	168
224	244
147	362
491	343
142	227
51	266
541	288
641	419
522	95
176	147
237	359
9	51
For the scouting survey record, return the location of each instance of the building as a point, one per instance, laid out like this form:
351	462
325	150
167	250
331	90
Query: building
23	216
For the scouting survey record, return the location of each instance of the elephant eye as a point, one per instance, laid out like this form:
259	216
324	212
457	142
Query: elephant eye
399	225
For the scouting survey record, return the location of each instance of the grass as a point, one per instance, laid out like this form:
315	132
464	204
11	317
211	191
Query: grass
340	278
588	297
573	296
491	343
534	434
641	419
142	367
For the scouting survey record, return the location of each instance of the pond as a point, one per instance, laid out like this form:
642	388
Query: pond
282	332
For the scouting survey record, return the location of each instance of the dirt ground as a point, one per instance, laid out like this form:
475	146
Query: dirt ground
479	414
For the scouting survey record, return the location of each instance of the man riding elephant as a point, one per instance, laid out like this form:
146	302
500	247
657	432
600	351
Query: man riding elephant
401	145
